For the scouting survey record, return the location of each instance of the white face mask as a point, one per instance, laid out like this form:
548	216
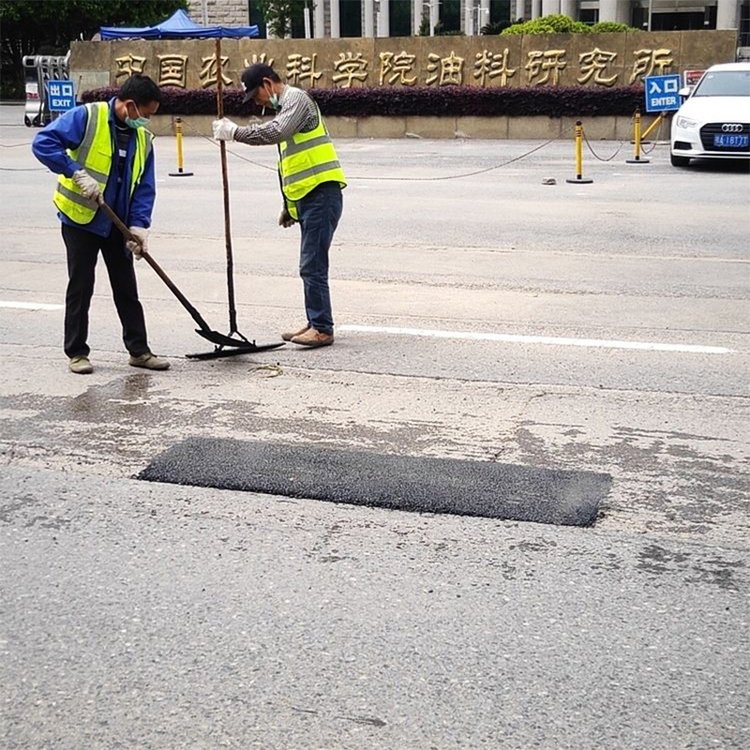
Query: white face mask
273	99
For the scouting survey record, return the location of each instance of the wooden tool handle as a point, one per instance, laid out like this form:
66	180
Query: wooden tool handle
225	186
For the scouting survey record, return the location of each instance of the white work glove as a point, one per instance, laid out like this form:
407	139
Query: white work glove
285	220
224	129
139	243
87	184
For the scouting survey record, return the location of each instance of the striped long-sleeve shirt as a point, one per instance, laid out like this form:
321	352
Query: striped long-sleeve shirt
297	114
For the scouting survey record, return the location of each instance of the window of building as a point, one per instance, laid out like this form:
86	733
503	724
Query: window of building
450	17
589	16
400	17
499	12
744	30
687	20
678	21
350	17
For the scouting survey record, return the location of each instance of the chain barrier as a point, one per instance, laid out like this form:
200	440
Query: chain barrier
595	155
19	169
657	138
465	174
661	120
186	126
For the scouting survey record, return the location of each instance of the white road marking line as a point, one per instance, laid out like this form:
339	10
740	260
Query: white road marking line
30	305
551	340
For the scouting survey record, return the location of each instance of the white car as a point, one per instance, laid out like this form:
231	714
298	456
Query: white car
714	121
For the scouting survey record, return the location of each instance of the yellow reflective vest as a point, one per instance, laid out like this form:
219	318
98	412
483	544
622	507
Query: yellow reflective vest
95	154
306	161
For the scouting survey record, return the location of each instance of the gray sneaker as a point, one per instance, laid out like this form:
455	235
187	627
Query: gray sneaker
149	361
80	365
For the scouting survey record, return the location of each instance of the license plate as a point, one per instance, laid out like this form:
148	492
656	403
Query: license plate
731	140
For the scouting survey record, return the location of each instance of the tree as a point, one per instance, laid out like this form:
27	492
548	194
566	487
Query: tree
279	14
46	27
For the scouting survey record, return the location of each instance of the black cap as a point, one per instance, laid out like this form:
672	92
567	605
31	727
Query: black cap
253	76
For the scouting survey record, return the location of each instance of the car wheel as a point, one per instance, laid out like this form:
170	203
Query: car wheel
679	161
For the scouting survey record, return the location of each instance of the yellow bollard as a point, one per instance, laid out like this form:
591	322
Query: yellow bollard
637	141
657	122
579	156
178	135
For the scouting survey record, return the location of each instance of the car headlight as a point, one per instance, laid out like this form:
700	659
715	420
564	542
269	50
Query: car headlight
685	122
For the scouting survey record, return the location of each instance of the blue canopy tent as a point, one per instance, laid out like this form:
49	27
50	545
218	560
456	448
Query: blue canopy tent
178	26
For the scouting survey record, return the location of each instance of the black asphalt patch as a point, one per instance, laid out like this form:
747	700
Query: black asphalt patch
423	485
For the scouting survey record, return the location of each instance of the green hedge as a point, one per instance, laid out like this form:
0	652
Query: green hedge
556	23
447	101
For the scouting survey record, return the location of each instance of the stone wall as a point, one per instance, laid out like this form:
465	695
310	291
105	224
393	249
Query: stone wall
488	61
498	128
220	12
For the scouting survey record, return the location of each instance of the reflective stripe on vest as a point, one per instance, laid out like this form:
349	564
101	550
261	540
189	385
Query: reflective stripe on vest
95	154
306	161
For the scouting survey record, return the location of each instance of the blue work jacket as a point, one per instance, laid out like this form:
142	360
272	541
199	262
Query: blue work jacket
66	132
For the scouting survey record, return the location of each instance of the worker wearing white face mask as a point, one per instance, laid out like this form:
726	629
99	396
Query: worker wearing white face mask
102	150
311	183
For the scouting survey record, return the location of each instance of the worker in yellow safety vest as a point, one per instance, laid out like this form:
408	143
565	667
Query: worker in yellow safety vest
103	151
311	183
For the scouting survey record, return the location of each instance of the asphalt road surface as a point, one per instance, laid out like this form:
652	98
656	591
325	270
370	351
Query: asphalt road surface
481	314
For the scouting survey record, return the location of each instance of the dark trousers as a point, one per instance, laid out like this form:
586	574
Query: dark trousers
319	214
83	250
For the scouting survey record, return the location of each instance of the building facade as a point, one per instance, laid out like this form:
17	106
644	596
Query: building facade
395	18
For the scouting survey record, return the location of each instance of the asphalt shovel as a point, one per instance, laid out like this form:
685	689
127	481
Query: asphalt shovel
235	345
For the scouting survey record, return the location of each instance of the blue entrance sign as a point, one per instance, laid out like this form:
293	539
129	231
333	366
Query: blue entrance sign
662	93
60	96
